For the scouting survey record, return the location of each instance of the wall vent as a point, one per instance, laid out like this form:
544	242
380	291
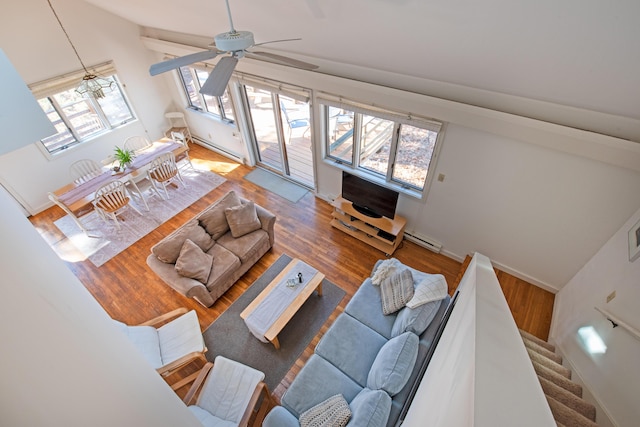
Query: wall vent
425	242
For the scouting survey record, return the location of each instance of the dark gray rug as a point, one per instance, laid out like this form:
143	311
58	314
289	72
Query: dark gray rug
228	335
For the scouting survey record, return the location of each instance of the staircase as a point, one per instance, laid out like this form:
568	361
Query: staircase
564	396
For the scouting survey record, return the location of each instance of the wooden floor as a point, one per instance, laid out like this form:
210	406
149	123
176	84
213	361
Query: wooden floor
130	292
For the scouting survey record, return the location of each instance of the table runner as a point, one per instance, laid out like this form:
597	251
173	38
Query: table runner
278	300
89	187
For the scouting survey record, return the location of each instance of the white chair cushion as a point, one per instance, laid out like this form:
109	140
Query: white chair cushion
145	339
228	389
180	337
208	420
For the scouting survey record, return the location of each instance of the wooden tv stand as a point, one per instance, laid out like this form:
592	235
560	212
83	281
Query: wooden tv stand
384	233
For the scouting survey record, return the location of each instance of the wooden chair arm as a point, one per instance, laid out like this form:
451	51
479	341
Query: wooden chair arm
163	318
187	358
197	383
260	388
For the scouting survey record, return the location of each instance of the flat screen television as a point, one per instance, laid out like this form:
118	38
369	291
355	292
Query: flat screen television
368	198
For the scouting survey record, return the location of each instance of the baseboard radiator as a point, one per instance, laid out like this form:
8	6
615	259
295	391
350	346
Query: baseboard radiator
425	242
219	150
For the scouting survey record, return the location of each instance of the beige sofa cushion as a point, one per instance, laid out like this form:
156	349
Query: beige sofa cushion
193	262
242	219
168	249
214	219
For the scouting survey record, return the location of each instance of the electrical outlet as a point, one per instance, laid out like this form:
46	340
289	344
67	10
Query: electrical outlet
611	296
441	177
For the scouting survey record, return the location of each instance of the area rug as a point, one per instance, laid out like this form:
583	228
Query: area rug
276	184
107	240
228	335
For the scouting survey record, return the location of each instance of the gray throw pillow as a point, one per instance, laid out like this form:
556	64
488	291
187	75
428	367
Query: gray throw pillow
393	365
333	412
214	220
396	291
415	320
242	219
168	249
194	263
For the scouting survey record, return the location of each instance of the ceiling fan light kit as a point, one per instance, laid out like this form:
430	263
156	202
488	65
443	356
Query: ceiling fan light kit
236	43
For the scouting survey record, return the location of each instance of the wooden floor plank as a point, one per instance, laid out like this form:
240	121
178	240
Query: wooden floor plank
130	292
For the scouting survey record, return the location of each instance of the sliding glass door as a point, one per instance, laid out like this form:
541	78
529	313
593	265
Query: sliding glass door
280	127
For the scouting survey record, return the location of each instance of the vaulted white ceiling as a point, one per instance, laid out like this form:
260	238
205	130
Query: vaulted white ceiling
578	53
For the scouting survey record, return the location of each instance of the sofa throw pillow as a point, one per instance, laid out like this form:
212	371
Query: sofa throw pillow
193	262
370	408
394	363
431	288
385	269
333	412
415	320
396	291
213	218
242	219
168	249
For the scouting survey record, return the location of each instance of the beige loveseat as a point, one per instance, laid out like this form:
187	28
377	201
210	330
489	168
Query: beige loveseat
205	256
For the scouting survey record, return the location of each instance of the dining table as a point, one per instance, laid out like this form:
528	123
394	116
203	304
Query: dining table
77	197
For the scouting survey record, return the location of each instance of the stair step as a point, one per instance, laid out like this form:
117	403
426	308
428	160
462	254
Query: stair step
569	399
565	372
542	350
557	379
568	417
537	340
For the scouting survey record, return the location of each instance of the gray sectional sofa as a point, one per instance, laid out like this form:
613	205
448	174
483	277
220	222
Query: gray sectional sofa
371	359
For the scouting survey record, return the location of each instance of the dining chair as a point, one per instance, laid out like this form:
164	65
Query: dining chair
75	216
110	199
178	123
136	143
230	392
169	342
182	139
164	171
84	170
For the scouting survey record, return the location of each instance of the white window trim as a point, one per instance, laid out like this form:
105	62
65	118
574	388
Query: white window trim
408	118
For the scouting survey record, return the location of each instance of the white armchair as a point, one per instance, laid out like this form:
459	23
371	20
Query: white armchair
230	392
173	345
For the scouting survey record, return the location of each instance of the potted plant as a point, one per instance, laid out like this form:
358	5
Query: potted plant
124	157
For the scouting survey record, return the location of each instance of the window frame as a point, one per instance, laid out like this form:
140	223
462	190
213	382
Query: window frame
49	89
204	107
399	119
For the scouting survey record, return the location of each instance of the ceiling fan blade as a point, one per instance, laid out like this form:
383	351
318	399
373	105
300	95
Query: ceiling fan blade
181	61
284	59
278	41
219	77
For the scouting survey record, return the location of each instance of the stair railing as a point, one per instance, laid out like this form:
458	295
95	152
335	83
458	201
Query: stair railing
616	321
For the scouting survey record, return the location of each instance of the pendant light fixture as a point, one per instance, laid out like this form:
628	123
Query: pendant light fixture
91	85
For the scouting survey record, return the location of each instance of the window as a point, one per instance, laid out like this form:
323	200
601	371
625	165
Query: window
393	148
75	117
220	106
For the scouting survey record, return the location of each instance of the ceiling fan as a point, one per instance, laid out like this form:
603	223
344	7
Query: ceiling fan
234	43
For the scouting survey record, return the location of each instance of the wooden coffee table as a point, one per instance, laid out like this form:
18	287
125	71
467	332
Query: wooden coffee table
280	320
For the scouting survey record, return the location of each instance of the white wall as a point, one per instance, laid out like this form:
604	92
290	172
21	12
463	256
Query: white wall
613	377
63	361
35	44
